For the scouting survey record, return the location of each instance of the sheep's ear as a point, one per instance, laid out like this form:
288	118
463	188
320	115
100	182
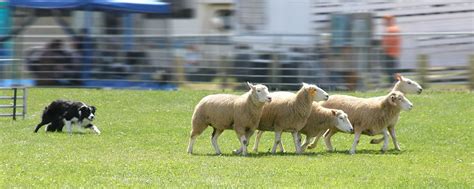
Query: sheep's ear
304	84
334	112
250	85
398	77
312	91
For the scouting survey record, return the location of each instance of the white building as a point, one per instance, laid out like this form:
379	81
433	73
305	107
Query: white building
424	23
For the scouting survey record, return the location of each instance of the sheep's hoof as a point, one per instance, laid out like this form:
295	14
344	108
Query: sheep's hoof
236	152
373	141
383	150
352	152
397	147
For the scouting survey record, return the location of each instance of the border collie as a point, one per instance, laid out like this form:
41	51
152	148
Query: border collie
63	112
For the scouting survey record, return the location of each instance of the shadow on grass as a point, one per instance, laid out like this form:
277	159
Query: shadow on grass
72	133
306	153
372	152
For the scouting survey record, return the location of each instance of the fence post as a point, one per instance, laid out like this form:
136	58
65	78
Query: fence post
423	70
180	70
274	69
14	102
24	101
471	80
223	70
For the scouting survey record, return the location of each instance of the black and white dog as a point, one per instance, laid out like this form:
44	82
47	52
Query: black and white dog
62	112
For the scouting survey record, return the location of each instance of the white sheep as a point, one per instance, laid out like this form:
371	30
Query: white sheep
368	116
288	112
320	120
225	111
406	86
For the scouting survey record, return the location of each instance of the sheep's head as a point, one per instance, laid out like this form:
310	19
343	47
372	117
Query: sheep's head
406	85
260	91
398	99
343	122
318	93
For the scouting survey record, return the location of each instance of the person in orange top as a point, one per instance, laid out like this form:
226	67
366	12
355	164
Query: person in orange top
391	43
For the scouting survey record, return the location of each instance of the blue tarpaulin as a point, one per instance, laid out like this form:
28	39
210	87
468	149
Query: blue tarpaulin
132	6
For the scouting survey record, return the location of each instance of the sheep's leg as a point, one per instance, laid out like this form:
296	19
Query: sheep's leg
243	143
195	132
297	140
191	144
376	140
307	142
356	141
280	145
248	134
327	140
215	134
277	141
314	143
257	140
391	130
385	140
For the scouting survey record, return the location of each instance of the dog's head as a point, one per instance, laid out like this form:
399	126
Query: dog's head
87	112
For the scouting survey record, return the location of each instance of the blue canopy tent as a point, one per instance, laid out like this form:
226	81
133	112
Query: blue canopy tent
122	6
132	6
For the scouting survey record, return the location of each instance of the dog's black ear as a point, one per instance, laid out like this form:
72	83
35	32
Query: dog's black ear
83	108
93	109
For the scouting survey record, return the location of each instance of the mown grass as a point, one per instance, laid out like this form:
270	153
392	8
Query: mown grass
145	135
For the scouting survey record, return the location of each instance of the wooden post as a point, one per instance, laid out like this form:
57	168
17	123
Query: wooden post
274	69
180	74
471	74
223	70
423	70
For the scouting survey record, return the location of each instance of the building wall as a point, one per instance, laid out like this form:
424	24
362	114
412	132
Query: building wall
422	18
200	23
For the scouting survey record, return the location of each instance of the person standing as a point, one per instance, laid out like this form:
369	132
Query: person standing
391	43
53	62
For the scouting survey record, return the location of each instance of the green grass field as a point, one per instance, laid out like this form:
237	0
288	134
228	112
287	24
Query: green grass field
145	135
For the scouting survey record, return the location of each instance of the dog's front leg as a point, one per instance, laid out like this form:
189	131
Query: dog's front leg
94	128
68	126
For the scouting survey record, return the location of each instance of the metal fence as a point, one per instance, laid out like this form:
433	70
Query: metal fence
13	102
281	61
